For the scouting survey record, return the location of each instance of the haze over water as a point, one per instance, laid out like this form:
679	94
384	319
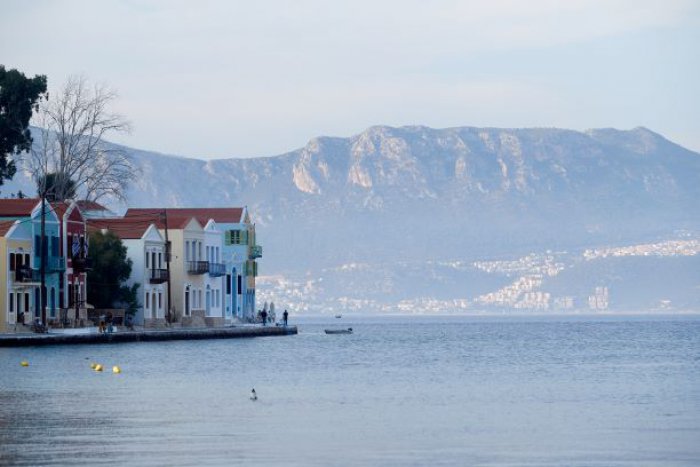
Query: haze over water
399	391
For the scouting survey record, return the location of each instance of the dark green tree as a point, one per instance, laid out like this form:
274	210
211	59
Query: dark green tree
56	186
19	97
110	269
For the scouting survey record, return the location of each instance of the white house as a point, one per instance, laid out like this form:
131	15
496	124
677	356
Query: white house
145	246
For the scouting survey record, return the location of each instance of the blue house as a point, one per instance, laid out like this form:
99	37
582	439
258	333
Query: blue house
29	212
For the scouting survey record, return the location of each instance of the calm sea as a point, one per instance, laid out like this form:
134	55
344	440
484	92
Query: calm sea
589	391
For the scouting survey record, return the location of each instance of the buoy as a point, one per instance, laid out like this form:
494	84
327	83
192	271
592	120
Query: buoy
116	369
98	367
24	363
93	365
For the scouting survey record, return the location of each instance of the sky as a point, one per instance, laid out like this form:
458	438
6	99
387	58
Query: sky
219	79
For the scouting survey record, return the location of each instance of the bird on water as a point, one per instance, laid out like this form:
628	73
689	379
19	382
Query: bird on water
253	395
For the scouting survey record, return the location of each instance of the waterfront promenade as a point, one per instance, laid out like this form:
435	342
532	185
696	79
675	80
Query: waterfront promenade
59	338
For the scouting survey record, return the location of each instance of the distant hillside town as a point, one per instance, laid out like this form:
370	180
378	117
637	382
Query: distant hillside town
191	266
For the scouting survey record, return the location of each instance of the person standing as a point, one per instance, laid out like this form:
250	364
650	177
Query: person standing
264	316
285	315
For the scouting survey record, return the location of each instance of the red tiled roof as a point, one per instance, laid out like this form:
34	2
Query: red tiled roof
5	226
17	207
90	206
122	228
223	215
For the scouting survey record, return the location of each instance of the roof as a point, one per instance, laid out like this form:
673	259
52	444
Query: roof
175	215
5	227
85	205
17	207
122	228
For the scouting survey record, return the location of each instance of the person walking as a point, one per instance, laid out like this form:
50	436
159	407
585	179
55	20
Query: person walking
285	315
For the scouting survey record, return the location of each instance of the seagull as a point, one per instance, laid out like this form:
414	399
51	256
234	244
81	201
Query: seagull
253	395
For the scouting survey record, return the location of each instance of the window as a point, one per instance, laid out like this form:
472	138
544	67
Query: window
199	251
26	301
187	251
147	263
228	284
12	302
160	300
148	300
235	237
240	288
153	259
19	302
54	246
160	260
13	266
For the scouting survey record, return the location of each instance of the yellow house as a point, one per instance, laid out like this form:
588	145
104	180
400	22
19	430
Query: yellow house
17	280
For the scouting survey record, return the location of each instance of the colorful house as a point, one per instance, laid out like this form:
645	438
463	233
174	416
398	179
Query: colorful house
17	281
239	252
21	259
145	246
74	248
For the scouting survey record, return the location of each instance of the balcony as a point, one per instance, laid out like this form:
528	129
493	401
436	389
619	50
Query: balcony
56	264
217	269
81	264
27	275
158	276
255	251
197	267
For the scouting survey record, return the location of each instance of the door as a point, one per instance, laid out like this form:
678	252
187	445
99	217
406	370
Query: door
208	301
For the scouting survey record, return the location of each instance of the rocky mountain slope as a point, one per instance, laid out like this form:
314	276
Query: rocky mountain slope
414	195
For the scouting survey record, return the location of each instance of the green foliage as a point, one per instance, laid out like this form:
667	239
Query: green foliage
110	269
56	186
19	97
129	298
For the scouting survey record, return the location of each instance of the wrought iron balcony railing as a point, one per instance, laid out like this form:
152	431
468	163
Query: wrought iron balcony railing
158	276
56	264
26	274
81	264
217	269
197	267
255	251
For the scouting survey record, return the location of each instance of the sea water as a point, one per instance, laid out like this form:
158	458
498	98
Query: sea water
589	391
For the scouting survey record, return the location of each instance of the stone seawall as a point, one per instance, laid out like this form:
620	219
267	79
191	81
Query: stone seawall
20	340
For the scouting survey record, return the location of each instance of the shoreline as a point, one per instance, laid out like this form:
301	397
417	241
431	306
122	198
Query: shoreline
26	339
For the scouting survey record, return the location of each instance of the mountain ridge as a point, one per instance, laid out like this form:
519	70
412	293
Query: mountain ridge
414	193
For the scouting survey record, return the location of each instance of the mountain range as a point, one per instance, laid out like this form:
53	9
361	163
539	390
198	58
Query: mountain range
369	222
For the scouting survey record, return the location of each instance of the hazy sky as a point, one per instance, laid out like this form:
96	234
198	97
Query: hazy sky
214	79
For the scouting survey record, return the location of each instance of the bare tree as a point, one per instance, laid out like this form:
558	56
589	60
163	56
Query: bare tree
71	152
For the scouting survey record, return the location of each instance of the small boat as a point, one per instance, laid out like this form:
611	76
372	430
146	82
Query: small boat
339	331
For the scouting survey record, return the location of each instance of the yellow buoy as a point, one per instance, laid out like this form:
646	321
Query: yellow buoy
116	369
93	365
24	363
98	367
